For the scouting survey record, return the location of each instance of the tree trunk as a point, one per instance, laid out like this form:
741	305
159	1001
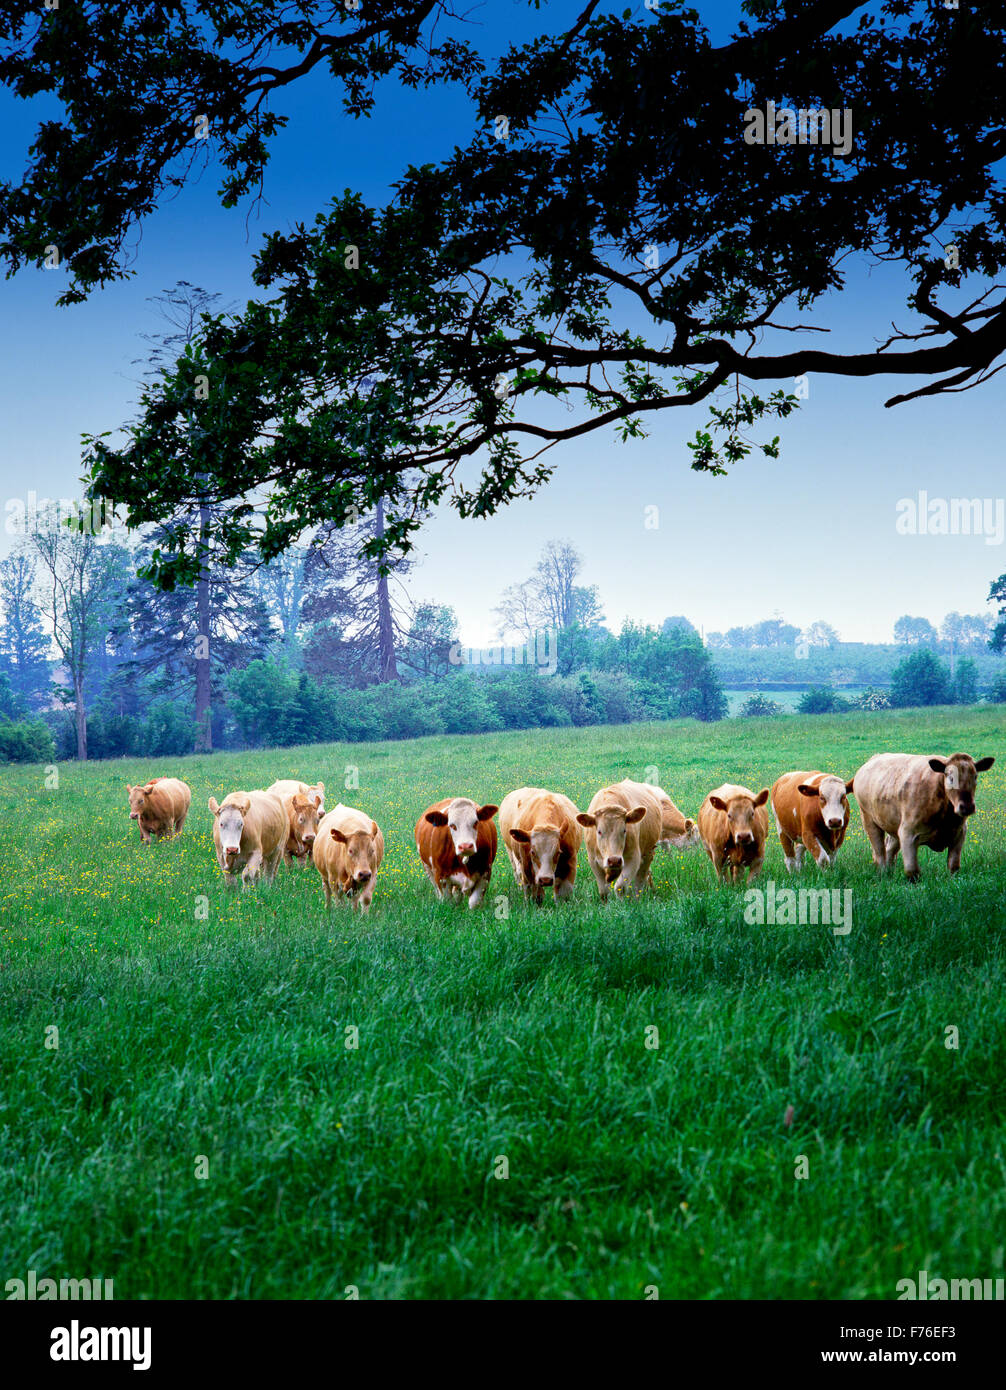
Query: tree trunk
204	726
386	628
78	692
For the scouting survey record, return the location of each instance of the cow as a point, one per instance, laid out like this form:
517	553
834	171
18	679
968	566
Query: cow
159	806
348	850
733	823
288	787
676	830
907	800
304	807
249	832
623	826
456	841
811	811
542	838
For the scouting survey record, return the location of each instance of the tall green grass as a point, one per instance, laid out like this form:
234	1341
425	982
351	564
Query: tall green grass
201	1027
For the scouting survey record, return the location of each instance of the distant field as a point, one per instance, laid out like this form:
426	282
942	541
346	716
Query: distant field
484	1036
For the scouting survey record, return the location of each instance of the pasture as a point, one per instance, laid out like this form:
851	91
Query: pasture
196	1022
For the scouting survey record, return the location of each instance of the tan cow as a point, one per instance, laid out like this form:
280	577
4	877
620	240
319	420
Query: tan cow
159	806
304	808
623	826
348	850
456	841
542	839
733	823
249	832
677	831
811	811
908	800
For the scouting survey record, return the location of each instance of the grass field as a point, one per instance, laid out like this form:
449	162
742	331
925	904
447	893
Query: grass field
484	1036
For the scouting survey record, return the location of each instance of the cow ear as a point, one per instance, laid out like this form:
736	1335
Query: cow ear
373	829
983	764
848	785
937	765
689	826
320	787
128	789
762	797
150	785
214	806
718	803
486	812
437	818
804	790
583	818
521	836
338	836
636	814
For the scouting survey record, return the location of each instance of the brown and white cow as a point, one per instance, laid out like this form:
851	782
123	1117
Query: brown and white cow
623	825
304	807
249	832
456	841
159	806
348	850
811	811
908	800
542	838
733	823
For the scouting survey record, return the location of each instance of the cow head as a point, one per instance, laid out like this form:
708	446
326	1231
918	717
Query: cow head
461	818
833	802
610	823
960	778
361	853
304	819
230	818
544	844
740	813
138	799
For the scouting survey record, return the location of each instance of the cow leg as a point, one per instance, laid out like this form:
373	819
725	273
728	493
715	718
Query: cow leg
954	852
273	865
909	854
817	851
891	846
328	892
755	868
563	890
876	837
180	822
478	891
252	868
788	846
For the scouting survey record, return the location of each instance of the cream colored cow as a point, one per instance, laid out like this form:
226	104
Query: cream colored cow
542	838
623	825
159	806
249	832
348	850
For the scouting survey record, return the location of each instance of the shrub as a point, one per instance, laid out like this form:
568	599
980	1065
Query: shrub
819	700
759	704
997	690
28	741
921	679
871	700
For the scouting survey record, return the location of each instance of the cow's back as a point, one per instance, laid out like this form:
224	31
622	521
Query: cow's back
267	824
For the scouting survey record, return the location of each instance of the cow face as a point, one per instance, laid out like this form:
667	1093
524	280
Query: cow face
610	824
304	820
361	854
137	799
230	818
740	815
960	778
544	843
834	804
462	820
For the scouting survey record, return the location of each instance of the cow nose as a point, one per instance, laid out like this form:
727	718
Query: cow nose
614	862
363	876
546	882
744	837
309	840
834	824
466	849
134	815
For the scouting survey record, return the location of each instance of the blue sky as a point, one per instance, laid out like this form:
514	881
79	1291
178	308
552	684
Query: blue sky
811	535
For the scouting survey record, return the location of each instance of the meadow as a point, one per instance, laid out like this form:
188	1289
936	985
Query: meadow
203	1130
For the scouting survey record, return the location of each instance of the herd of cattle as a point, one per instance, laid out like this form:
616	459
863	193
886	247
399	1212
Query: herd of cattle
906	801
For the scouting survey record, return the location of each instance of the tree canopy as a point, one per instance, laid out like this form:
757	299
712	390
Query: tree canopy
608	245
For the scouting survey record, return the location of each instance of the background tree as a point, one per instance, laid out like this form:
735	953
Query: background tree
997	594
920	679
433	632
551	598
821	634
24	646
80	582
915	632
281	587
